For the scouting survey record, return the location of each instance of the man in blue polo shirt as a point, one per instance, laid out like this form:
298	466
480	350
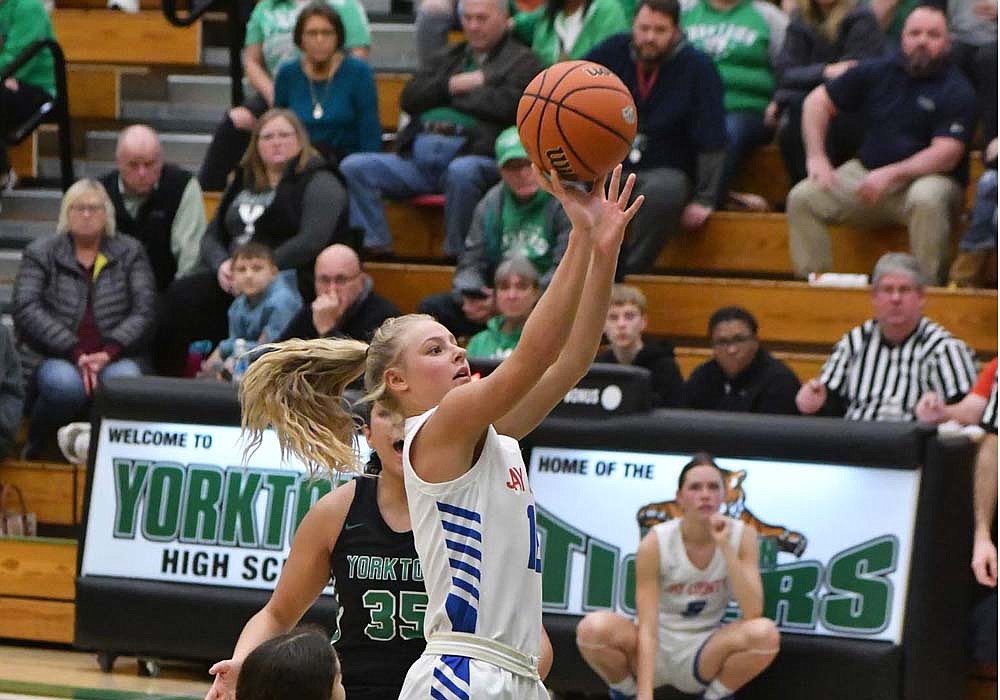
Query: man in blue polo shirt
679	149
911	169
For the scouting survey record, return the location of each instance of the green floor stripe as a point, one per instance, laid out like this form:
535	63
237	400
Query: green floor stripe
65	691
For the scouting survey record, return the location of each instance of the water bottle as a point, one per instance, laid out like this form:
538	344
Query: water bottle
240	360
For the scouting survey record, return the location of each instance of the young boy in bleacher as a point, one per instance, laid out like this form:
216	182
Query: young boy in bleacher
266	303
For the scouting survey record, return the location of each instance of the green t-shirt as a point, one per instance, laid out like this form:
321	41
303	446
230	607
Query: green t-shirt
493	343
742	41
21	23
602	19
523	230
272	22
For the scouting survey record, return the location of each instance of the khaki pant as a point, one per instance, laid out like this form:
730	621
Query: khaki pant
926	207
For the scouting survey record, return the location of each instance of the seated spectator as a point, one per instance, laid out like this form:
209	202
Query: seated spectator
565	30
23	22
909	171
159	204
264	307
624	326
744	38
11	392
825	38
517	292
515	218
268	43
83	311
976	262
332	93
880	369
459	104
346	305
679	150
287	199
742	376
300	664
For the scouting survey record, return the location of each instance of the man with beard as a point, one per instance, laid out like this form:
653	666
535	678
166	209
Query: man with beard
918	111
679	149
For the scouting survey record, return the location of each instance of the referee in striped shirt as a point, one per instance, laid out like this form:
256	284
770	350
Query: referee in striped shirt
880	369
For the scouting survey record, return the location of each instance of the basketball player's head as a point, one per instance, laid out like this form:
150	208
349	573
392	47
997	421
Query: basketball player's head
297	386
700	488
383	430
301	664
655	29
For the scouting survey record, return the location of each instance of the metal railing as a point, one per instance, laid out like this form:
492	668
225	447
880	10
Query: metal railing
55	110
236	19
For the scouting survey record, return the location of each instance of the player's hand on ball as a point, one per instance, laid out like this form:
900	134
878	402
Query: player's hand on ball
601	214
224	686
720	526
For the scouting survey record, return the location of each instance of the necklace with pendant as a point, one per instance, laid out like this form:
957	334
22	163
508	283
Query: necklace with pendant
317	112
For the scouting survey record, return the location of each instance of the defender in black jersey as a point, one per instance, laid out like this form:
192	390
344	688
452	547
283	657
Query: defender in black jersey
380	595
360	534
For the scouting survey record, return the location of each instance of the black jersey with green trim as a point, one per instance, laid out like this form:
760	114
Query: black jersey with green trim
380	594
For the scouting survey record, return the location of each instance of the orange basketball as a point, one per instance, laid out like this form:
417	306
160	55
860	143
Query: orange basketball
576	119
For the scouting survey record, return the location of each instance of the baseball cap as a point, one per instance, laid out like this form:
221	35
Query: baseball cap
508	146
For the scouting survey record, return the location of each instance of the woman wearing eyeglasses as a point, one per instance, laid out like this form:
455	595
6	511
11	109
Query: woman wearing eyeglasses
83	311
332	93
285	197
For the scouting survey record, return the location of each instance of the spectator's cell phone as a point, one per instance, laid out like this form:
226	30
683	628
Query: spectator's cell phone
475	293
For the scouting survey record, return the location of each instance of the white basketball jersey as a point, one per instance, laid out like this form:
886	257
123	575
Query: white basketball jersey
692	599
478	545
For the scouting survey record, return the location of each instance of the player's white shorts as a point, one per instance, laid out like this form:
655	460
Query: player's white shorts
462	678
677	660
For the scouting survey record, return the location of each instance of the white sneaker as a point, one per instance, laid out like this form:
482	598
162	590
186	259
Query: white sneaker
74	441
129	6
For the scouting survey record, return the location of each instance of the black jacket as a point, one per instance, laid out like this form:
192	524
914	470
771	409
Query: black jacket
766	386
806	52
508	69
658	357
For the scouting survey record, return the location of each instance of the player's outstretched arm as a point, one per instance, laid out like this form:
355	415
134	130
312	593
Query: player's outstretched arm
585	335
303	578
466	411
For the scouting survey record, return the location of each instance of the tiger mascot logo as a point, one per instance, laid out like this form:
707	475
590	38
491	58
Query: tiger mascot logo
735	507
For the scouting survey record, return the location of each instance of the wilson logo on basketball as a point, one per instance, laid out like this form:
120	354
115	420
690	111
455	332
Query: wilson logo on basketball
596	70
559	162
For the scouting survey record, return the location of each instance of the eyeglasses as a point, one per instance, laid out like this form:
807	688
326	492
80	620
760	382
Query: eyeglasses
319	33
86	208
336	280
278	135
731	342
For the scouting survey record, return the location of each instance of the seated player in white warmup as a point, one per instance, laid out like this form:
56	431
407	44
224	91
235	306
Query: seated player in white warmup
471	508
687	569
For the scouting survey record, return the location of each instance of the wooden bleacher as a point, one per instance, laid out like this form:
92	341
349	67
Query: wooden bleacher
790	313
144	38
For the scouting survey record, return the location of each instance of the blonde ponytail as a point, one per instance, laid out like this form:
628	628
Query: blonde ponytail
297	387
